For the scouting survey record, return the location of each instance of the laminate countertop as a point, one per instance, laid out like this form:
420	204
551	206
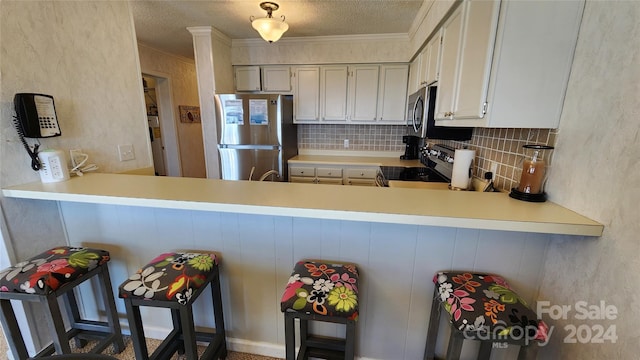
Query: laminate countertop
460	209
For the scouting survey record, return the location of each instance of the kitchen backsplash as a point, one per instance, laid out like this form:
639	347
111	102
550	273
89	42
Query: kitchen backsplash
361	137
501	146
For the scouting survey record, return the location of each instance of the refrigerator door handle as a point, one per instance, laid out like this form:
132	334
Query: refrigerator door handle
248	147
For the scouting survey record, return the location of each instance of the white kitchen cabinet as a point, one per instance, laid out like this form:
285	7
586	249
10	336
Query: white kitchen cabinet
415	69
363	93
431	60
334	174
276	79
361	176
313	175
333	93
247	78
306	99
263	78
473	62
392	94
506	64
423	71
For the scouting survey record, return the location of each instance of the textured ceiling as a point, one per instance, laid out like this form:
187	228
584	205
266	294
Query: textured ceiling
162	24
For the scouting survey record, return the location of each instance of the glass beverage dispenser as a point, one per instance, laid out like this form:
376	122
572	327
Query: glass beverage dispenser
534	174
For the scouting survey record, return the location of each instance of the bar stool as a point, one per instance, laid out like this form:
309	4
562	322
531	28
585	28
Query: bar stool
174	281
52	274
321	291
482	307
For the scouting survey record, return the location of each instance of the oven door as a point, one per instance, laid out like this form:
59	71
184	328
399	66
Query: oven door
416	113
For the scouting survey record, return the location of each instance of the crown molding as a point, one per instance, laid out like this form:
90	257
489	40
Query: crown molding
210	30
324	39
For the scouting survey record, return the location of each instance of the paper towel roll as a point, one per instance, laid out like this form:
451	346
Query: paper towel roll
461	176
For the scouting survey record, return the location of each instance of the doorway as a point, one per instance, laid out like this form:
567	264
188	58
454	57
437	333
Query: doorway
161	122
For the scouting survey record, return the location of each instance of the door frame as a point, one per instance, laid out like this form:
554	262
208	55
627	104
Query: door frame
167	117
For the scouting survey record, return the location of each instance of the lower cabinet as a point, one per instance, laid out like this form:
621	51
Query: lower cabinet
361	176
334	174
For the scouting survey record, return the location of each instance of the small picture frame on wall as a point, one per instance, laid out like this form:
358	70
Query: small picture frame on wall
189	114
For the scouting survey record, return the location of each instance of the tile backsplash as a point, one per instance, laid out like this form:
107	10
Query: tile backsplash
501	146
504	147
361	137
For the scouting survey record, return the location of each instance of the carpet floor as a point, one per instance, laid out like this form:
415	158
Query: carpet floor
128	354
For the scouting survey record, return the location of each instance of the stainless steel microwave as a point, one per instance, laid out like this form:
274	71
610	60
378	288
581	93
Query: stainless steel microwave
420	121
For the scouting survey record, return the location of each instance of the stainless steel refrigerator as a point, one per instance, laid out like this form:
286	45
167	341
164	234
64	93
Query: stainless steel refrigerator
256	136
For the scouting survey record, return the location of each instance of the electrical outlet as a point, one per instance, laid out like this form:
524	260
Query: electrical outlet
126	152
494	170
346	143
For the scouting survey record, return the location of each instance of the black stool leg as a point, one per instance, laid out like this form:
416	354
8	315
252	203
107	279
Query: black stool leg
455	345
432	332
528	352
56	324
12	330
485	350
216	296
290	336
350	345
110	308
188	332
137	332
71	305
177	325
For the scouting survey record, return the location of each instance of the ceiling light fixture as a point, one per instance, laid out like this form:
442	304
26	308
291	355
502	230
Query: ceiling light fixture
269	28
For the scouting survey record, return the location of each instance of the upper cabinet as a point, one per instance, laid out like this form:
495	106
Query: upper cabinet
506	64
271	79
333	93
424	70
362	94
392	94
247	78
306	98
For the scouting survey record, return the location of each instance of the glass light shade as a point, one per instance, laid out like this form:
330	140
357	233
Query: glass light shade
269	28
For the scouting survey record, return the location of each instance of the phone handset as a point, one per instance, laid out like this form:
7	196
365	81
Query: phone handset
35	118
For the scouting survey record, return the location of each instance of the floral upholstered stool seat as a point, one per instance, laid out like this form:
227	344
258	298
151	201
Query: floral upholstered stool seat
321	291
57	273
174	281
483	307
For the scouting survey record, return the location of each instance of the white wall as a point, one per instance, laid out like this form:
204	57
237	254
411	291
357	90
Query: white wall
596	172
84	54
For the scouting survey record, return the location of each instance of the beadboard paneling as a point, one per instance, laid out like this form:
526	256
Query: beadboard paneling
397	264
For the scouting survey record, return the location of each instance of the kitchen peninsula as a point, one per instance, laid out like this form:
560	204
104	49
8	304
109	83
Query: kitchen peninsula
399	238
475	210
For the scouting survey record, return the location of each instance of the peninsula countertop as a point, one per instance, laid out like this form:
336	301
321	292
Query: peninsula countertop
475	210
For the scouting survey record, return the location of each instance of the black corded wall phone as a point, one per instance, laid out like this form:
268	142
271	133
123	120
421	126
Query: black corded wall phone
35	118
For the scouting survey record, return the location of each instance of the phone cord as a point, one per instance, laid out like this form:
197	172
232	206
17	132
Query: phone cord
35	162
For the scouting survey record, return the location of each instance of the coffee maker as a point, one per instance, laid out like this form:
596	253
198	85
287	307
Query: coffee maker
412	149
